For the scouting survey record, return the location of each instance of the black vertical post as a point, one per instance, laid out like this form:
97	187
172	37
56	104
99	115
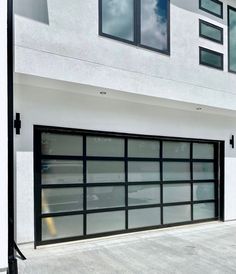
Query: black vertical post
12	267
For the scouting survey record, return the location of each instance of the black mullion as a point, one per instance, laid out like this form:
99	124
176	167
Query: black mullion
205	201
176	160
216	175
145	183
144	206
103	158
161	182
137	22
83	185
203	160
84	188
37	186
191	177
61	214
140	159
178	203
52	186
182	181
126	185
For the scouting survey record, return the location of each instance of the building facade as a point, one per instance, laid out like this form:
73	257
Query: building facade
127	109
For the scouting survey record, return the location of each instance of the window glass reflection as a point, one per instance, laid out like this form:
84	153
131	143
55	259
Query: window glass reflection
154	24
118	18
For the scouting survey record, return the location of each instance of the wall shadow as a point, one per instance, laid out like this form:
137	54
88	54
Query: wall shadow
36	10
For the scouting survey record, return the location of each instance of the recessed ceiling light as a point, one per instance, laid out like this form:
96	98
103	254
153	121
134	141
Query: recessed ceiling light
103	92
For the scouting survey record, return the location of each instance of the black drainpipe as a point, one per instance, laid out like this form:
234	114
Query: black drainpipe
12	261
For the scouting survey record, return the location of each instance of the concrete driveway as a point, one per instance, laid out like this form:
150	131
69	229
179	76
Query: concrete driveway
202	248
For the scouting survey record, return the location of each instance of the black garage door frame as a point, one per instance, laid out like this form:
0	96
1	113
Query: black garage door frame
218	170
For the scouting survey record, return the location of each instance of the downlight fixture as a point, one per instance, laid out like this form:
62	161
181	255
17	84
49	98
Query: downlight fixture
103	92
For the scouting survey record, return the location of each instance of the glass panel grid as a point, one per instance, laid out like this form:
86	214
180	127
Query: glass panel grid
140	193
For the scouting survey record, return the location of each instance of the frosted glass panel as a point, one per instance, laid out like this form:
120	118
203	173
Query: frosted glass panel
105	222
105	197
143	171
60	144
176	150
62	227
61	172
101	146
62	199
173	171
176	214
105	171
143	148
203	151
144	217
144	194
176	193
203	171
203	191
203	211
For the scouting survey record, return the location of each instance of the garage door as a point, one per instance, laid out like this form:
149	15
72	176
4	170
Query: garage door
90	184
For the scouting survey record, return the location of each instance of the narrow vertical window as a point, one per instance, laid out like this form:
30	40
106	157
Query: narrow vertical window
154	31
117	19
232	38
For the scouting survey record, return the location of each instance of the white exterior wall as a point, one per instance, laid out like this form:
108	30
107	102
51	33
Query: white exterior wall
3	138
39	106
60	41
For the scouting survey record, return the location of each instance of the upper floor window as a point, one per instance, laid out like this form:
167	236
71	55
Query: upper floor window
211	58
214	7
232	38
210	31
144	23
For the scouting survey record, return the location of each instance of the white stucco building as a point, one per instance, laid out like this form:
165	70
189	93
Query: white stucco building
128	108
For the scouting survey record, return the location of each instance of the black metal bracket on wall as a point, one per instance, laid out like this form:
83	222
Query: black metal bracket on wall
231	141
17	123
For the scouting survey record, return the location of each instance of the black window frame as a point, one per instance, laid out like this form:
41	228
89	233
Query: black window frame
221	41
211	12
228	10
211	51
137	28
218	179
